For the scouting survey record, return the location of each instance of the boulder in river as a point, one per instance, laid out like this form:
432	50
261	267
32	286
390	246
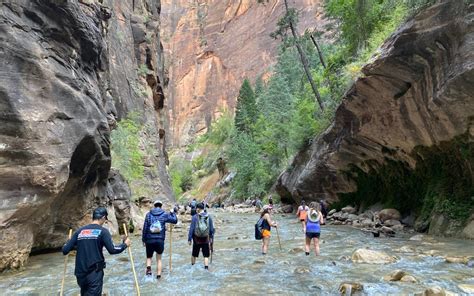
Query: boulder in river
435	291
453	259
388	214
391	223
349	210
302	270
408	279
350	288
395	275
372	257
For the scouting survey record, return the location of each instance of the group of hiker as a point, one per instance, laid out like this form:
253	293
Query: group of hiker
89	240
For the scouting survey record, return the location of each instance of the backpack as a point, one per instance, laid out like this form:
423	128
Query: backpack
259	229
155	226
202	226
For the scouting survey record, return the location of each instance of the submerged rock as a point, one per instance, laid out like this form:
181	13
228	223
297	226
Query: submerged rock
372	257
302	270
435	291
467	288
395	276
350	288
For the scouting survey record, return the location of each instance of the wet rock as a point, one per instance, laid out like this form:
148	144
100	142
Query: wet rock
418	237
349	210
332	212
260	261
468	231
388	214
408	279
461	260
232	237
352	217
391	223
371	257
398	228
287	209
467	288
470	263
405	249
435	291
337	223
387	230
367	223
395	276
302	270
350	288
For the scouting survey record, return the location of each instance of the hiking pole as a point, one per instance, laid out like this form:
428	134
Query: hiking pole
278	236
131	260
65	266
212	249
171	237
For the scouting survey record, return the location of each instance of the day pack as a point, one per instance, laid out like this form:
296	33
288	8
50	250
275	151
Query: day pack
202	226
155	226
259	229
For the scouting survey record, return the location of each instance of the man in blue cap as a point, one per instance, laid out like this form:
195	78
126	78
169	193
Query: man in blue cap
89	241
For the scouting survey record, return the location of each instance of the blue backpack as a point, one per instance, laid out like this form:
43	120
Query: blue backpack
259	229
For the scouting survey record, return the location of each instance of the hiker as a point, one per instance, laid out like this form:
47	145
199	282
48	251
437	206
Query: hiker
193	204
314	219
301	214
89	241
267	224
270	201
154	232
201	233
324	209
258	204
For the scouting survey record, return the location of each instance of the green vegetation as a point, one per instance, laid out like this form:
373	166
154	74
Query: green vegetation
125	147
142	70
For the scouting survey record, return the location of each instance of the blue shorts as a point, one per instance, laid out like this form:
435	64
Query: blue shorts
312	235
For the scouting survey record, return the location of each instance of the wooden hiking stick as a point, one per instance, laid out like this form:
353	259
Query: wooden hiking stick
65	266
278	236
131	261
171	237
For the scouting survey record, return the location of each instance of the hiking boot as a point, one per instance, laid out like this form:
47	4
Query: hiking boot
158	276
148	270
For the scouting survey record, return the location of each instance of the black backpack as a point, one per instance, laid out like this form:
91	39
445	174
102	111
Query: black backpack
259	229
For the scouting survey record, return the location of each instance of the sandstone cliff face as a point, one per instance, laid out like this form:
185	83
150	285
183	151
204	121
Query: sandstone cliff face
416	96
68	73
212	47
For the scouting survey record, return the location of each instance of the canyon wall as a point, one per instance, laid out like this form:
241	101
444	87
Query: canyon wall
69	71
403	134
211	46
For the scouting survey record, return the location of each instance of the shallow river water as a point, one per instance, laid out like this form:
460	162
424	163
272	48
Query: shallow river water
239	268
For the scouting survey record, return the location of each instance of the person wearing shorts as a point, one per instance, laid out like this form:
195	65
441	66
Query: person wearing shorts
302	213
154	240
201	235
267	226
314	219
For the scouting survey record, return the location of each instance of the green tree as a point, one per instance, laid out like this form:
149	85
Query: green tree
246	110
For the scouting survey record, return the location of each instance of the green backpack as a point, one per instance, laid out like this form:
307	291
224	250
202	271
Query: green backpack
202	226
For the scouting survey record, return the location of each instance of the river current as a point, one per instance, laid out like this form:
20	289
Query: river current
238	268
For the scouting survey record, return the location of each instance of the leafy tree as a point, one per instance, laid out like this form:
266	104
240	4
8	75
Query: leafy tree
246	110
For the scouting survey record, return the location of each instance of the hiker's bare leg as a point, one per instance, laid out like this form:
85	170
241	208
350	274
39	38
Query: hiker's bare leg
158	264
266	242
304	226
206	261
316	246
307	244
148	262
193	260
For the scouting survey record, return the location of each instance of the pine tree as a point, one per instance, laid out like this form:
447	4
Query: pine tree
246	110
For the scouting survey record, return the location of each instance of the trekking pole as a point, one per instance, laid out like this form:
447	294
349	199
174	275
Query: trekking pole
278	236
131	260
171	237
65	266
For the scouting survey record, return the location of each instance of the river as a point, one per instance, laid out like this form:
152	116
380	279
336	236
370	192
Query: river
239	268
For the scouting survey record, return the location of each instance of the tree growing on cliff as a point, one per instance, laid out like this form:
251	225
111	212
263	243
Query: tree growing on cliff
288	22
246	110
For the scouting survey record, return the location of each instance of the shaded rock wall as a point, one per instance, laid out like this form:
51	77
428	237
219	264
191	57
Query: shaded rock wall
211	46
414	100
68	73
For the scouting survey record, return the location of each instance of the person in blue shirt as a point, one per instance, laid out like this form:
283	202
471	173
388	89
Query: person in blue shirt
201	233
154	232
89	241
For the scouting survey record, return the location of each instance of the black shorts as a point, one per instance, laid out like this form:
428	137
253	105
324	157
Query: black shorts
312	235
205	250
157	247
